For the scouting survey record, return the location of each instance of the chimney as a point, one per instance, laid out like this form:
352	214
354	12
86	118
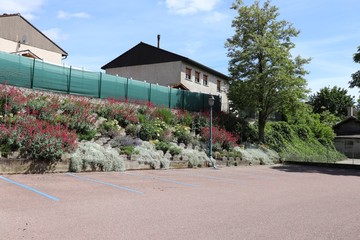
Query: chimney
350	111
158	40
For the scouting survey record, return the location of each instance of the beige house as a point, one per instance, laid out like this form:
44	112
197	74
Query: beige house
155	65
18	36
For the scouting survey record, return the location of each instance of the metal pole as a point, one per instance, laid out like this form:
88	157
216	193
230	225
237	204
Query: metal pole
210	141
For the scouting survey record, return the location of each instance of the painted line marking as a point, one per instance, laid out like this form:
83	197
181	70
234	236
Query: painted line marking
163	180
30	189
105	183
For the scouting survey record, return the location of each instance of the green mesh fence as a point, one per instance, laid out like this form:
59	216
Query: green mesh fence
30	73
16	70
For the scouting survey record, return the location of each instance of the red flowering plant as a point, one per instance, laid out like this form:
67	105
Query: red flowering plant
12	100
124	112
220	137
36	139
76	113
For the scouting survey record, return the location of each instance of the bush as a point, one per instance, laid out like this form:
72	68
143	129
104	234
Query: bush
94	156
163	146
122	141
37	139
173	150
220	137
199	122
165	115
124	112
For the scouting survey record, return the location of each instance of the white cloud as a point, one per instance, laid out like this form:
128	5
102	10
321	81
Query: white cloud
184	7
215	17
67	15
24	7
55	34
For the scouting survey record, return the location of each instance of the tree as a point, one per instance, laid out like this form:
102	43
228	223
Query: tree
264	75
335	100
355	82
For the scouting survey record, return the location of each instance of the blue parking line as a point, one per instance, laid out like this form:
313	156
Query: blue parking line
105	183
30	189
164	180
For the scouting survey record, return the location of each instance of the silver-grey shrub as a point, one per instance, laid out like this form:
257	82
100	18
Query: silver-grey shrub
96	157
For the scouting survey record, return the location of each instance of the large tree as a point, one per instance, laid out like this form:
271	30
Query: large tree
355	82
335	100
264	74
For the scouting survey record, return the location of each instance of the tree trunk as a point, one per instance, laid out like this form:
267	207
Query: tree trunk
261	126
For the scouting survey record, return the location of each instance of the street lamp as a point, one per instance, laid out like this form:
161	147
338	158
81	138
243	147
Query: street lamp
211	104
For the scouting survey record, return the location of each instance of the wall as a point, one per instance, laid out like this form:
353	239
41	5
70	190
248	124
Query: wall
350	146
164	74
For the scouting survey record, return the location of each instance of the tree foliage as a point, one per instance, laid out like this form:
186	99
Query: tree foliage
335	100
264	75
355	82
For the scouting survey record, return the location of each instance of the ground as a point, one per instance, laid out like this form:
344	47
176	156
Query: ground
257	202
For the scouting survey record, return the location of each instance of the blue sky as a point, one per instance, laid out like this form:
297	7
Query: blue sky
95	32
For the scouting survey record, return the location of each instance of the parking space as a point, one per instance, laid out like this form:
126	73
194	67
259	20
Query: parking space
262	202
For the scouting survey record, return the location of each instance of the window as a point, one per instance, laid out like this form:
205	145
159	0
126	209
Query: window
197	77
218	85
205	80
188	73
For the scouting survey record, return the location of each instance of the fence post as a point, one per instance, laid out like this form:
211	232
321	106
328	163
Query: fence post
169	97
127	89
183	99
149	96
100	80
32	74
69	81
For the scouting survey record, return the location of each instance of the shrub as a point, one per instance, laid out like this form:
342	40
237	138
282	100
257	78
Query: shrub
12	100
165	115
124	112
152	130
219	136
38	139
122	141
183	117
96	157
199	122
163	146
173	150
183	134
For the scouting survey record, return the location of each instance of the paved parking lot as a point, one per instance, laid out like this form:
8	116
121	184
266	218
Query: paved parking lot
262	202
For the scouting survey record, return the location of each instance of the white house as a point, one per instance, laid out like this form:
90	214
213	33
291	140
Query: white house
18	36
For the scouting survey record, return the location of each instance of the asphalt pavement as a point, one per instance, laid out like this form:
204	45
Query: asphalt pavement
257	202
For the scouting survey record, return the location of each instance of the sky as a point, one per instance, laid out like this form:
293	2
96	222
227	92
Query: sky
95	32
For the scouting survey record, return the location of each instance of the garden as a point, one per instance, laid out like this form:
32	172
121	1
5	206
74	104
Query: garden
103	134
106	134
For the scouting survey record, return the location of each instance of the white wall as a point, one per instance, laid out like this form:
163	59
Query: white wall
47	56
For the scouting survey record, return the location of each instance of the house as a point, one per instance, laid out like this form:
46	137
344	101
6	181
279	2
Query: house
347	138
155	65
18	36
